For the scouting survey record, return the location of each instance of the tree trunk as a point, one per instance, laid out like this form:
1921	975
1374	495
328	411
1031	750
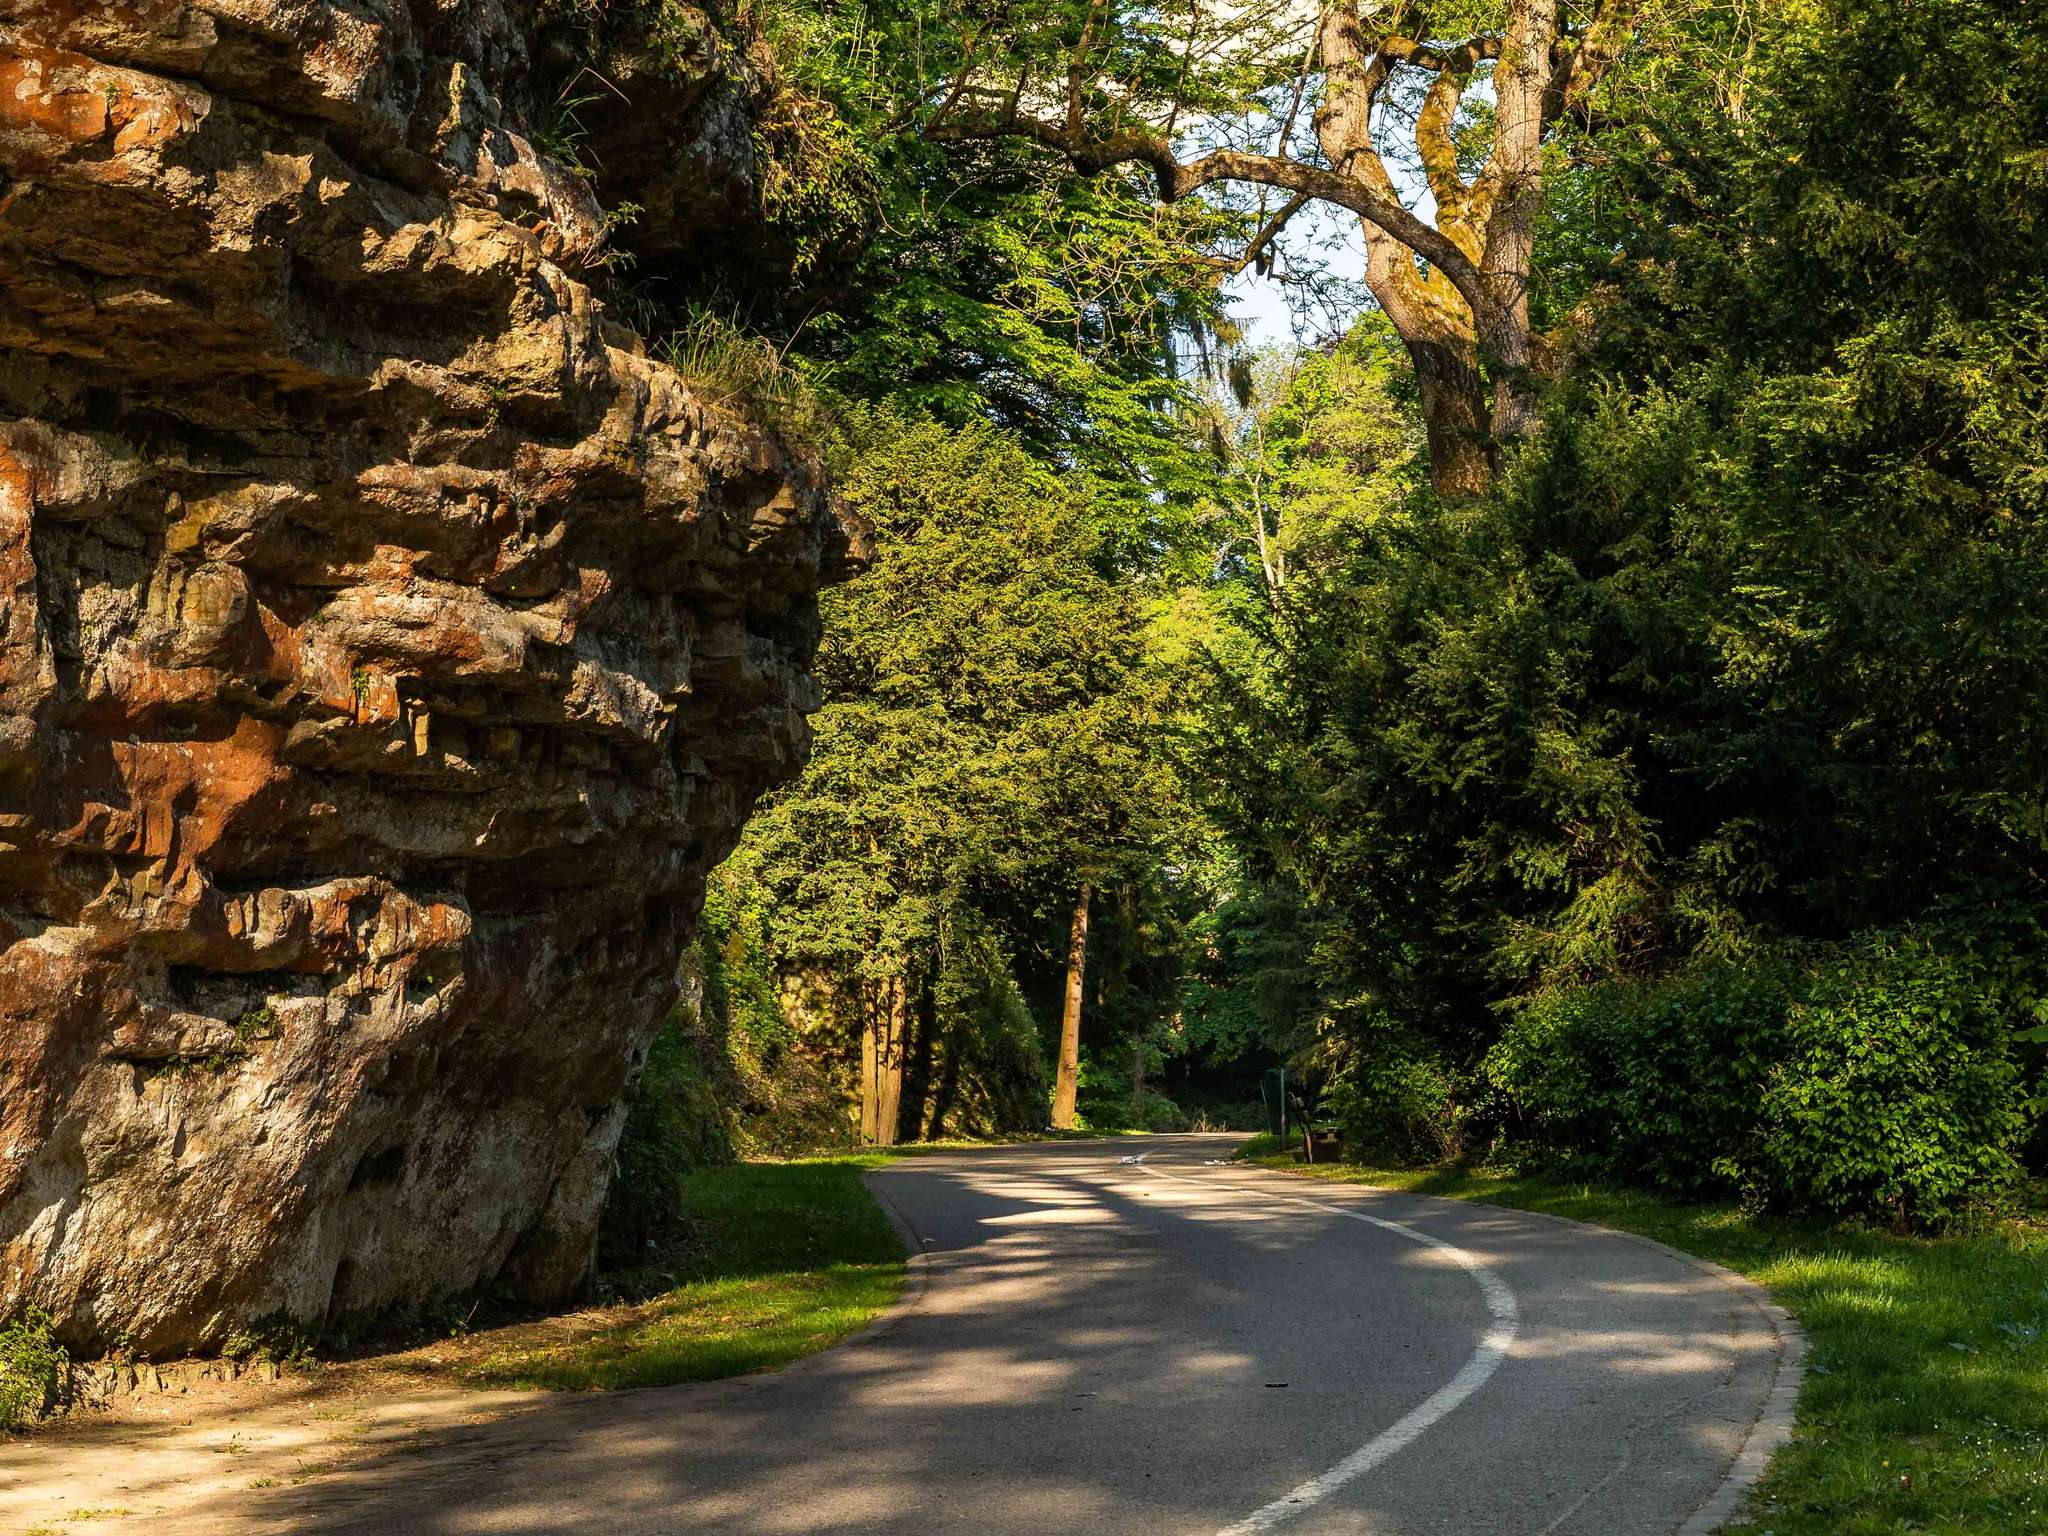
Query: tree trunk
1454	414
921	1053
891	1108
881	1061
1433	325
1067	1086
1521	85
949	1086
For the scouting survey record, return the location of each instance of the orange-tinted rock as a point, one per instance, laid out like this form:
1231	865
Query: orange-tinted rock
387	649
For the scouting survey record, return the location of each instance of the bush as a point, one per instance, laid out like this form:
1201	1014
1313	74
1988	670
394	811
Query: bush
1151	1110
32	1365
674	1124
787	1081
989	1075
1399	1101
1871	1079
1653	1081
1102	1093
1107	1104
1895	1091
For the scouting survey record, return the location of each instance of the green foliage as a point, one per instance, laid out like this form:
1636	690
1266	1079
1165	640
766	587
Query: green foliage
1873	1079
1895	1090
988	742
1737	677
989	1075
32	1368
783	1092
1002	291
674	1124
1658	1081
1250	981
1397	1098
1107	1102
817	178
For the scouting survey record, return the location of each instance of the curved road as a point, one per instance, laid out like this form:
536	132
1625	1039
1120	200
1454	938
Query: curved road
1165	1347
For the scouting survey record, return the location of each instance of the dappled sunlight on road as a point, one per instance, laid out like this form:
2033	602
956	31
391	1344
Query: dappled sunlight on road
1147	1356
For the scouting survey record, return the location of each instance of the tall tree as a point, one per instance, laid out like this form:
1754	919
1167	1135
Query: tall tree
1751	645
1310	106
1067	1084
986	746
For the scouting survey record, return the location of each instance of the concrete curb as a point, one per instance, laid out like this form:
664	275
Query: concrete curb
917	1260
917	1267
1769	1432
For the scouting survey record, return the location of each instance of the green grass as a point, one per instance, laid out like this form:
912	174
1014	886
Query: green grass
789	1258
1925	1405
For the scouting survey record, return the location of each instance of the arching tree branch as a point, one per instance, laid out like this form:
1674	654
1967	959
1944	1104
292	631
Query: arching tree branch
1093	154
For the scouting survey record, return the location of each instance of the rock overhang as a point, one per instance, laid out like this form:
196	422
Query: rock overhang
390	647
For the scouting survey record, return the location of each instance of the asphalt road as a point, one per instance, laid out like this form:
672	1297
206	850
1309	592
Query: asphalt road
1117	1348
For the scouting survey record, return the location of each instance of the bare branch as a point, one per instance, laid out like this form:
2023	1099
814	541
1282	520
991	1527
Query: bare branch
1329	186
1459	60
1249	256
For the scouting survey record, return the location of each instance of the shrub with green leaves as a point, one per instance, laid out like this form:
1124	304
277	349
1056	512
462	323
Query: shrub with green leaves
1873	1078
32	1366
1894	1092
1398	1099
1652	1080
988	1078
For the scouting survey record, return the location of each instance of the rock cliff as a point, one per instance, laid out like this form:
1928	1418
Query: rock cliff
388	646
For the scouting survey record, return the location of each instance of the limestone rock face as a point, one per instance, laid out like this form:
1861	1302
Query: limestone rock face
388	647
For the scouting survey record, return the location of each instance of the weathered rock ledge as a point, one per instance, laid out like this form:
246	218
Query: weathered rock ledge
387	649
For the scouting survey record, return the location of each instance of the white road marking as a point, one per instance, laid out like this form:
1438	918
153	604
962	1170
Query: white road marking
1483	1362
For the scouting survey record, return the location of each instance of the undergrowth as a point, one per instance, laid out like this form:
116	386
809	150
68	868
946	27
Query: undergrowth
32	1366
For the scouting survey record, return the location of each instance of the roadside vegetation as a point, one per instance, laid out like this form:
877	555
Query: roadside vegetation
1600	724
32	1365
778	1260
752	1265
1925	1404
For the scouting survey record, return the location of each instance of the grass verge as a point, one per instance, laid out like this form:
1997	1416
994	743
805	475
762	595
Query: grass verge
789	1258
1925	1405
781	1259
